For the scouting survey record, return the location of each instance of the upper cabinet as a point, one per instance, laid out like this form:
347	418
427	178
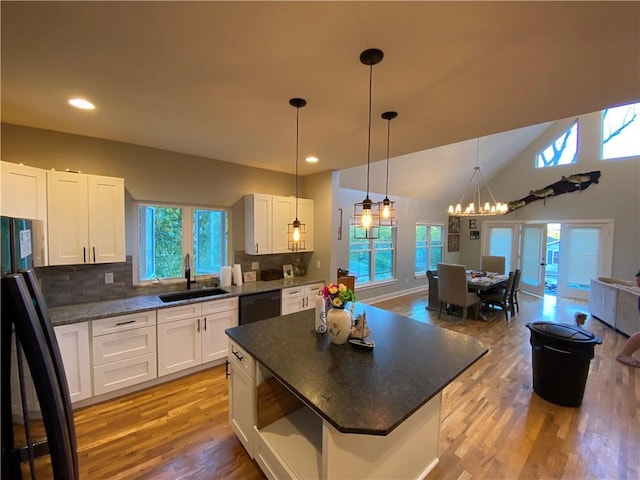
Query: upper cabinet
267	219
86	218
24	191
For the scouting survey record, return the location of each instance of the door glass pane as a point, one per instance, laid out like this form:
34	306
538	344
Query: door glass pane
209	241
420	267
435	251
582	261
531	256
500	244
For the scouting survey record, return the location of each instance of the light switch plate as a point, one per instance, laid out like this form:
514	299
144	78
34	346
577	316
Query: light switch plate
108	277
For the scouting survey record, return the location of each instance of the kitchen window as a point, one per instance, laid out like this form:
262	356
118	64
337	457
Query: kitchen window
370	260
428	247
168	233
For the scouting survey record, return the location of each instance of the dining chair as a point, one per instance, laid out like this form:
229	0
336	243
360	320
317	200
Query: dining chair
514	292
501	298
453	290
493	264
434	301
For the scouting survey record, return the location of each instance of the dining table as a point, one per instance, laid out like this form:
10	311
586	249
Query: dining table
476	280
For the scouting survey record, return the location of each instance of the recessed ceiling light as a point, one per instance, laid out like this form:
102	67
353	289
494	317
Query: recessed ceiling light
311	159
81	103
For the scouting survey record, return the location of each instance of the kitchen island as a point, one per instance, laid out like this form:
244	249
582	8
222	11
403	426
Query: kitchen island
306	408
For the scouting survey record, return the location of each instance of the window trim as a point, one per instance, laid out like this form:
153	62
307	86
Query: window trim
187	240
575	124
601	140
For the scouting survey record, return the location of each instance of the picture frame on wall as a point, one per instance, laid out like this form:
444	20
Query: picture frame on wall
453	243
473	224
454	224
474	234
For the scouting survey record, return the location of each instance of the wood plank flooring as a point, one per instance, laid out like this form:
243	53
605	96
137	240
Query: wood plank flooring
493	425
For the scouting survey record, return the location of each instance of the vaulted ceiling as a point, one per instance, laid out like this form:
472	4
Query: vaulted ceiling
214	79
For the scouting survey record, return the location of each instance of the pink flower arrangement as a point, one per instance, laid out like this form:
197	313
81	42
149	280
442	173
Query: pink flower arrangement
338	295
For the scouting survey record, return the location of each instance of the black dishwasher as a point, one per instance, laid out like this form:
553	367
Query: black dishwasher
259	306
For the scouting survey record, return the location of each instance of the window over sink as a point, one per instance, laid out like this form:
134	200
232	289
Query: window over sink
167	233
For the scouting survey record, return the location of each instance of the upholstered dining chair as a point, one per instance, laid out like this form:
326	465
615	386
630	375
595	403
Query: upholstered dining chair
501	298
453	290
493	264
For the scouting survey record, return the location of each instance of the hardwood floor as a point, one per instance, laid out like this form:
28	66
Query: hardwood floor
493	425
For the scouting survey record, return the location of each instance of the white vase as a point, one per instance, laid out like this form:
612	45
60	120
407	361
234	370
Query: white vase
338	325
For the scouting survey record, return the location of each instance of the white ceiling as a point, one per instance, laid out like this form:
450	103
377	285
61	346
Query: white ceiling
214	79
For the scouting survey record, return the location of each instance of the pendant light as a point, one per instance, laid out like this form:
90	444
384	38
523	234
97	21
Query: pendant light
387	207
475	208
366	217
296	229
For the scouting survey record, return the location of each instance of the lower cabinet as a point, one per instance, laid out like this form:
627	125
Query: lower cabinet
73	341
296	299
124	351
192	334
242	396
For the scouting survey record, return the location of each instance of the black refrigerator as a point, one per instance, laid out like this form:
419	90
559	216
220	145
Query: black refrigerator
38	434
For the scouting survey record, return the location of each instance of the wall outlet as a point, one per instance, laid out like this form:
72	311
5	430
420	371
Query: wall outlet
317	263
255	265
108	277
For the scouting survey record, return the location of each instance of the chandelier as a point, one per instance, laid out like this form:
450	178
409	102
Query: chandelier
475	208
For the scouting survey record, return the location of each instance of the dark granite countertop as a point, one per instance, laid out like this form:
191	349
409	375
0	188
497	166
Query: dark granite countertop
360	391
111	308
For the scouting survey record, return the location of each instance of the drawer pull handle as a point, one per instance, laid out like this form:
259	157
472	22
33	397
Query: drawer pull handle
238	355
198	325
125	323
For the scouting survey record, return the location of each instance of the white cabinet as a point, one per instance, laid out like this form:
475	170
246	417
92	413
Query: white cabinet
267	219
85	218
124	351
73	341
192	334
296	299
24	191
242	395
257	224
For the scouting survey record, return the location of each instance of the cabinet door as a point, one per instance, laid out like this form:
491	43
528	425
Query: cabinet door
106	219
242	406
179	345
73	341
214	340
24	191
68	218
305	215
257	224
283	215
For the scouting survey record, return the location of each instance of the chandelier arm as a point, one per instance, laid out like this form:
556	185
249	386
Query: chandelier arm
486	185
466	189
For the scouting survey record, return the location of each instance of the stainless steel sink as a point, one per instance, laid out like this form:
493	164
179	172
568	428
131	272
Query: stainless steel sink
189	294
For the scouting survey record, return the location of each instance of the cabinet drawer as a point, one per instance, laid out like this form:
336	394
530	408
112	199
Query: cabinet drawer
179	313
122	345
223	305
313	289
124	373
105	326
292	292
238	356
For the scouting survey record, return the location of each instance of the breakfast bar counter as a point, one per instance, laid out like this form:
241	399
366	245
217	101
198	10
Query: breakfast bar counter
376	413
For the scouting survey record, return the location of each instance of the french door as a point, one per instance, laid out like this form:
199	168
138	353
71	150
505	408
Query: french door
585	252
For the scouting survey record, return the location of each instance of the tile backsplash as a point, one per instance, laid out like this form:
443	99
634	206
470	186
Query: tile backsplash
73	284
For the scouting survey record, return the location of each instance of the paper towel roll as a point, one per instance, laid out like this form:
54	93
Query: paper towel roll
237	274
225	276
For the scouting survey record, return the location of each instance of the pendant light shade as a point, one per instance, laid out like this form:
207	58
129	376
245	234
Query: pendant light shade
296	229
476	208
387	207
366	216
